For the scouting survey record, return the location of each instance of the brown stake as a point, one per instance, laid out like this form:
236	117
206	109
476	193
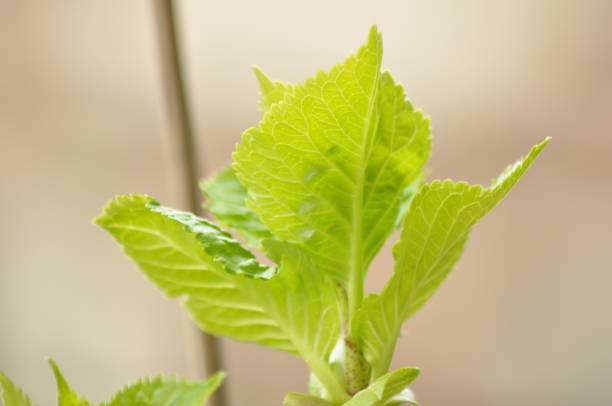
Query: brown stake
181	140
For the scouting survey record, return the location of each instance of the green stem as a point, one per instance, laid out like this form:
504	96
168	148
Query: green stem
357	271
355	292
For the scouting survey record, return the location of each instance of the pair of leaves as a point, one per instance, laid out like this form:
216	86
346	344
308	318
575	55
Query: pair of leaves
434	234
297	136
146	392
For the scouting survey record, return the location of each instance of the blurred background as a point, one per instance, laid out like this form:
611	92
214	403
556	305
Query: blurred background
524	319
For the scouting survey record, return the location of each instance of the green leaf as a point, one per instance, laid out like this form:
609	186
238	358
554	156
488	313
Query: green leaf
225	199
296	311
146	392
11	394
405	396
384	388
328	165
305	303
298	399
65	395
166	392
434	233
271	92
190	257
218	244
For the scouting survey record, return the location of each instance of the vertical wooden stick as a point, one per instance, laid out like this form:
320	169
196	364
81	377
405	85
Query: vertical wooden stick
181	141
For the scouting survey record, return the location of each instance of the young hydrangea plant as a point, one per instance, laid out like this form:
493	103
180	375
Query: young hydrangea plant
156	391
333	168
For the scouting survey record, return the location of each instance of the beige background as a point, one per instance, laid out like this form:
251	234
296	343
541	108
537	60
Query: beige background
524	319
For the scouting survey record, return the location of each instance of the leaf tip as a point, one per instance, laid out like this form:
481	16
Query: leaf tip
536	149
259	74
59	378
55	368
374	30
544	143
120	202
410	374
265	82
218	378
4	381
374	37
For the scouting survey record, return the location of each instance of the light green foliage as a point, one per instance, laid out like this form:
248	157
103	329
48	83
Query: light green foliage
169	246
328	165
387	390
11	395
299	399
433	236
384	388
271	91
334	166
225	199
305	304
65	395
156	391
404	397
166	392
175	259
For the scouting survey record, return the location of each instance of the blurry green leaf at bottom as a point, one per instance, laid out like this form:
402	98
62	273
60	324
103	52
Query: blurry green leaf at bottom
434	233
189	257
166	392
384	388
156	391
12	395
